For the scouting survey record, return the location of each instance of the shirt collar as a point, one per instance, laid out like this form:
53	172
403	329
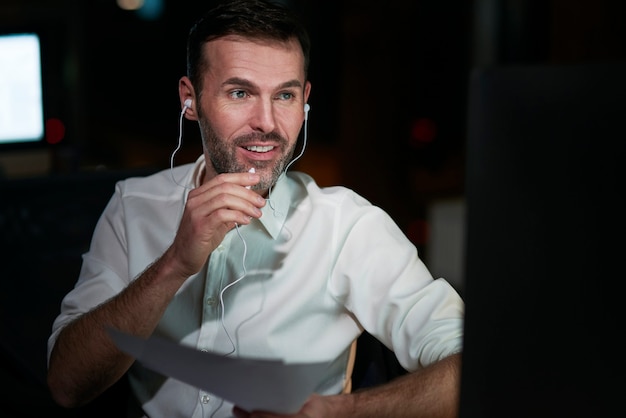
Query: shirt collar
198	171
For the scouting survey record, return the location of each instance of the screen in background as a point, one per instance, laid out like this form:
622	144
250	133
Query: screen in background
544	248
21	103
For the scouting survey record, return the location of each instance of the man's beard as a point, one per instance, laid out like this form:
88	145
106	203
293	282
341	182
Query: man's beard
223	155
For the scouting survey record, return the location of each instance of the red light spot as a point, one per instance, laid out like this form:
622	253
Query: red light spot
55	131
423	131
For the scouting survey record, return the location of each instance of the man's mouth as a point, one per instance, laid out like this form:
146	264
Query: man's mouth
258	148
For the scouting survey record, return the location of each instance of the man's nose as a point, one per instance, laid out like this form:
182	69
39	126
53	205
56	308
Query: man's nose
263	117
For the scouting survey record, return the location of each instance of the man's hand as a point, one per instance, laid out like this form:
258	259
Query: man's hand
210	212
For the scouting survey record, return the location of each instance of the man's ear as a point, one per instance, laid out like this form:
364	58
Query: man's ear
307	91
187	96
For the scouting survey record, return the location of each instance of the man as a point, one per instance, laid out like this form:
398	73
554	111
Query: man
235	255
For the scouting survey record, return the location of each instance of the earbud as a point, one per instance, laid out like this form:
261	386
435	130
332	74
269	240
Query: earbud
187	103
306	111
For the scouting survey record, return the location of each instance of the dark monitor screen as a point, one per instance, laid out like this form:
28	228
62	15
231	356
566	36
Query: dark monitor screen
544	261
21	93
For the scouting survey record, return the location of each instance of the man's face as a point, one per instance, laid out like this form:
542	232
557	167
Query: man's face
251	106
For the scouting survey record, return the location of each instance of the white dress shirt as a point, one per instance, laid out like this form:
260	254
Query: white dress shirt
317	268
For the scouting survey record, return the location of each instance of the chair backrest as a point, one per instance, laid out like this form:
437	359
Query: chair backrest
373	363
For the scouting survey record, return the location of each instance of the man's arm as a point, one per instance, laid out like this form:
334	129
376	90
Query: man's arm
84	360
430	392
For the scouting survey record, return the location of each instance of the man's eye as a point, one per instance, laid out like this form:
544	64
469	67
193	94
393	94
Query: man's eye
238	94
285	96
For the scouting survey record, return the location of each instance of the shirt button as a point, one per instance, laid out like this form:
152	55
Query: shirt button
205	399
211	301
220	248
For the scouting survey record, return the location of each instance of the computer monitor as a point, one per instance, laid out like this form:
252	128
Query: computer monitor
21	90
545	227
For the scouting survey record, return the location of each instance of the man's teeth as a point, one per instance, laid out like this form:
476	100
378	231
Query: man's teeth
257	148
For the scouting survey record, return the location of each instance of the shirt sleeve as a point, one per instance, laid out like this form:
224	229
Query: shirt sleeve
103	271
379	277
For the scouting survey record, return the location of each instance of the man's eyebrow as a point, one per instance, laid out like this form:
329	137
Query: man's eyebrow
291	83
236	81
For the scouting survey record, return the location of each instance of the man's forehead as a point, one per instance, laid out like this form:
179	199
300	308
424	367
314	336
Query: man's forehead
238	42
239	57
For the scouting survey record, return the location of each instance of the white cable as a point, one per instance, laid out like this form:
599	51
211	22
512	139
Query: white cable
306	122
180	142
243	263
304	140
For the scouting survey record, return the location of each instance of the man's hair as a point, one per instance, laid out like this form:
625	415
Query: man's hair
253	19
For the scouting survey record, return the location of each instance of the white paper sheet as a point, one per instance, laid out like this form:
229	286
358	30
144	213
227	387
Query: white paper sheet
251	384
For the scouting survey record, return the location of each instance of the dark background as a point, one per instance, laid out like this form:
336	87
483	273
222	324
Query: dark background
389	119
382	73
545	227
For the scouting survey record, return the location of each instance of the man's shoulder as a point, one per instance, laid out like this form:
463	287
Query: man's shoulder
162	184
336	193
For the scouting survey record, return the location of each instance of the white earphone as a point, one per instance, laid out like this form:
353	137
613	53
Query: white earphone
306	111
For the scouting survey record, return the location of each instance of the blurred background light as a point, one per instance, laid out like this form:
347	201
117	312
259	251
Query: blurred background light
130	4
145	9
423	131
55	131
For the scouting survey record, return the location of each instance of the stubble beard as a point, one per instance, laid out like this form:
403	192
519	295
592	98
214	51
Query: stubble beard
223	155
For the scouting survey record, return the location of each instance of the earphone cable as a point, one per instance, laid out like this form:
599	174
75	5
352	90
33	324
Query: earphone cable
180	142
